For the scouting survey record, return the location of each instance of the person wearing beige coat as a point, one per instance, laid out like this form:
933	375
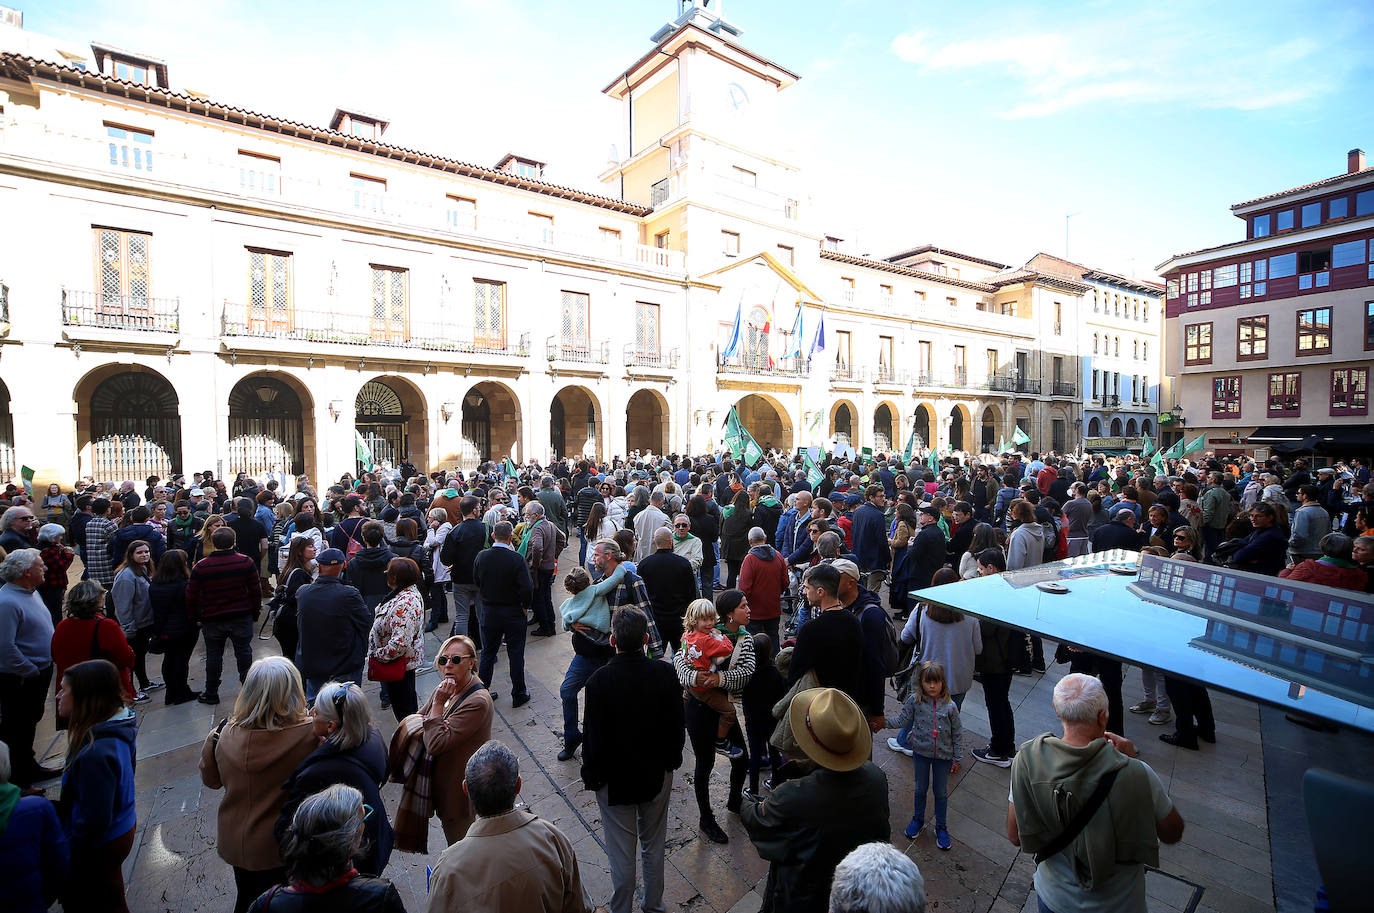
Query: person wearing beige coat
452	735
250	755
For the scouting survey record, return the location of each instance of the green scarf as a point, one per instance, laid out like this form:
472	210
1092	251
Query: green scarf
734	636
524	548
9	798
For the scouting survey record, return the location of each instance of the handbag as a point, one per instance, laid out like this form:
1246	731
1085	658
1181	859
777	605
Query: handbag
391	670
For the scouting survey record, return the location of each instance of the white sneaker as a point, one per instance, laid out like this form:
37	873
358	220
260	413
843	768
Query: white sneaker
897	746
141	697
155	686
1160	717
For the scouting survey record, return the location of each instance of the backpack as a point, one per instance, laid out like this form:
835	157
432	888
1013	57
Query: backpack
889	648
352	546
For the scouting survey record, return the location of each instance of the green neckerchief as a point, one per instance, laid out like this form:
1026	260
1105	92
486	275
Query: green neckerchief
524	548
732	635
9	798
677	538
1336	562
944	527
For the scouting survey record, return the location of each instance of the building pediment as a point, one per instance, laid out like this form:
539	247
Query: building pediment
752	270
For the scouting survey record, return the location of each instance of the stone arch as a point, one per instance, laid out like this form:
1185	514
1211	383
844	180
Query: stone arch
960	427
843	422
490	420
128	423
766	419
1145	426
923	420
989	423
1116	427
271	426
1094	427
646	422
575	427
886	428
1130	427
390	414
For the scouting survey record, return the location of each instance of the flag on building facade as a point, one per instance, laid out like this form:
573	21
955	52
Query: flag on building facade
362	451
1019	437
818	341
736	333
740	442
794	349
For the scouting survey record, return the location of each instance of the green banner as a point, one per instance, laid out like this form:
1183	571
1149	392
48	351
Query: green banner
1195	444
509	468
740	442
362	451
1020	437
813	472
1147	447
910	450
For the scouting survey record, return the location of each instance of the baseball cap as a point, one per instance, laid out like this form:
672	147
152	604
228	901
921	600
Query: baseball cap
331	556
845	566
929	511
853	500
196	492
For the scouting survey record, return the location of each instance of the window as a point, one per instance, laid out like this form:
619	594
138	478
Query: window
960	365
792	209
542	225
1145	313
844	349
1284	221
1283	265
1259	226
646	329
993	362
1226	396
920	297
1351	253
1350	391
744	176
1057	369
1204	280
1096	373
1197	344
885	356
574	330
259	174
1337	208
1226	276
610	237
1314	331
488	314
389	304
1135	350
1252	338
1311	214
369	194
1285	394
661	240
1311	261
885	293
122	274
527	170
1369	325
1145	350
130	72
1094	343
269	291
924	354
1364	202
787	255
1058	318
461	213
130	148
1116	347
729	243
952	301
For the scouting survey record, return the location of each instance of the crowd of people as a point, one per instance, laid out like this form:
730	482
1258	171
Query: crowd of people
736	608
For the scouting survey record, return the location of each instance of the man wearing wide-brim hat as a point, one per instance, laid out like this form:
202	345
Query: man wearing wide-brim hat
806	826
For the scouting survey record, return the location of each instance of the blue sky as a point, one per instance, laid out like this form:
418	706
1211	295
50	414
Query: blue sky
975	126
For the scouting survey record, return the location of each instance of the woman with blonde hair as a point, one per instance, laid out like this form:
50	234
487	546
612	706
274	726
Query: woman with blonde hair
201	545
97	800
250	755
457	721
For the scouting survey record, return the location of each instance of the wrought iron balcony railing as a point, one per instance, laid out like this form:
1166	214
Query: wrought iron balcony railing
120	312
581	351
748	363
331	327
638	356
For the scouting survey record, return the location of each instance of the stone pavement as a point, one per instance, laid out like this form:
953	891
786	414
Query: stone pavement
1220	791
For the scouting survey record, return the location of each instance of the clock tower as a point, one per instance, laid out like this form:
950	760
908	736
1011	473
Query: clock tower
699	141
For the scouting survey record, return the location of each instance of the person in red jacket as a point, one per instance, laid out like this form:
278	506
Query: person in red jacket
86	633
1334	568
762	579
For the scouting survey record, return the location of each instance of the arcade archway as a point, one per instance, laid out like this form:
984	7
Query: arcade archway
646	422
128	425
490	426
269	419
575	424
390	415
766	419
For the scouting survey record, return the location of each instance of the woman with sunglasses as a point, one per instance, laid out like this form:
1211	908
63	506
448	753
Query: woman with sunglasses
323	847
353	753
457	721
1186	544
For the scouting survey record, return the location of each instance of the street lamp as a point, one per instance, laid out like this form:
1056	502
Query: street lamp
1176	415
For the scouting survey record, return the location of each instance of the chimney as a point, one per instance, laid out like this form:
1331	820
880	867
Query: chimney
1354	161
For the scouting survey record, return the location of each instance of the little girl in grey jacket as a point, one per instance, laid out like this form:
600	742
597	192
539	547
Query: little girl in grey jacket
936	741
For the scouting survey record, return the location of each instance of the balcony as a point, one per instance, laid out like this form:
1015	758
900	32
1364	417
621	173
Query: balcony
658	193
578	351
330	327
957	379
844	372
761	364
640	357
1060	388
120	312
888	376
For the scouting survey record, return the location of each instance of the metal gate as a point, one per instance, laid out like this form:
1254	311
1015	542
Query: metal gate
265	428
135	428
385	442
476	447
258	455
121	457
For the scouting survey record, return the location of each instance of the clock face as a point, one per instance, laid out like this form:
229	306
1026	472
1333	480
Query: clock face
739	99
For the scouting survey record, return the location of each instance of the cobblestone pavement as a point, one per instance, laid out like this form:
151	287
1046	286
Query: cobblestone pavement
1220	792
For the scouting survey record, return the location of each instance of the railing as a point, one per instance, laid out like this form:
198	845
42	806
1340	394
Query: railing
1002	383
957	379
1028	386
886	375
120	312
761	364
846	372
636	356
1060	388
359	329
658	193
4	303
582	351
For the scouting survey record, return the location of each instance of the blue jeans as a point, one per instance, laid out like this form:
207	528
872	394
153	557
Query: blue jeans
581	547
508	625
906	730
579	670
1040	906
932	772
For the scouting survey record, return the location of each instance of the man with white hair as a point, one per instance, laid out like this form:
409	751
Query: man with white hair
877	878
25	661
1089	854
646	523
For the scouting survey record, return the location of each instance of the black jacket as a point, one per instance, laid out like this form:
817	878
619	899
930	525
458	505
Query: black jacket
357	895
669	581
734	534
959	542
1115	535
503	582
831	643
119	542
364	769
766	515
926	555
460	549
366	571
171	621
333	623
633	730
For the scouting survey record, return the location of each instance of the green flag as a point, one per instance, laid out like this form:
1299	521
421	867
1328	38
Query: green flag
933	461
910	450
509	468
867	453
1174	452
1158	461
1194	445
1002	445
813	472
1020	437
1147	447
362	451
740	442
